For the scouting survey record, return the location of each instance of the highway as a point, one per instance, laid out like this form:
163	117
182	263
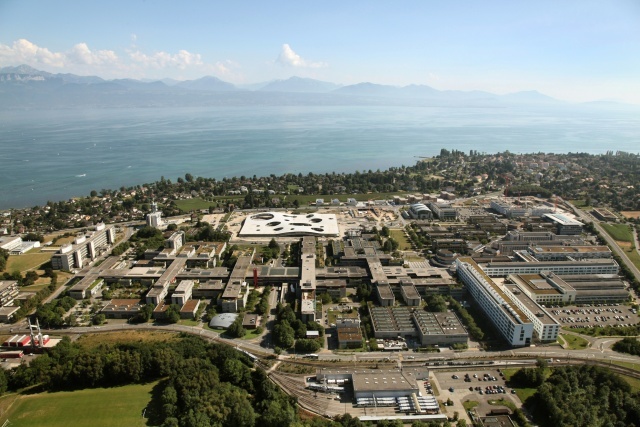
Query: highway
585	217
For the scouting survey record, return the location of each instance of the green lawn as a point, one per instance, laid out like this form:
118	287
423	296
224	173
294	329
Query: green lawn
403	243
523	393
470	404
119	406
575	342
633	382
634	257
27	261
193	204
251	334
619	232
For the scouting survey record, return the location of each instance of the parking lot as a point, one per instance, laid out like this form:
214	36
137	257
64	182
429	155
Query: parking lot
590	315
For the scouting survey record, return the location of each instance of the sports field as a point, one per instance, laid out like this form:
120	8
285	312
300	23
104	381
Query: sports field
118	406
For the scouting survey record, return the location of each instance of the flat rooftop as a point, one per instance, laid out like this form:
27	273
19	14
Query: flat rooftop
439	323
284	224
562	219
570	249
494	290
531	305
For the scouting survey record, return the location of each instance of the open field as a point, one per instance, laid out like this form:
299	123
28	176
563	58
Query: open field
118	406
581	204
27	261
620	232
633	382
630	214
196	203
94	340
403	243
575	342
522	393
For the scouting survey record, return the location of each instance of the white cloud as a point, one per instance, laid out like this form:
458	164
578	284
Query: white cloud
134	63
180	60
24	52
81	54
289	58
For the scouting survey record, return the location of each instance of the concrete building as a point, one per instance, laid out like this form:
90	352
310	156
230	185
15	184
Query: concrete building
439	329
183	292
564	224
567	253
306	289
385	294
154	218
420	211
84	249
545	327
508	209
548	288
376	383
410	294
8	292
509	320
349	335
533	266
444	211
121	308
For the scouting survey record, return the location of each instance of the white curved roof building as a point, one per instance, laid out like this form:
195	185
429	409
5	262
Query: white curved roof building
265	224
420	211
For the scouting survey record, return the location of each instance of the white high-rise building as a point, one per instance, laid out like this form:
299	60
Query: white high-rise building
154	219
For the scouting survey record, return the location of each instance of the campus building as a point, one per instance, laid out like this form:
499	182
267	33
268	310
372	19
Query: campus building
444	211
564	225
85	248
507	317
420	211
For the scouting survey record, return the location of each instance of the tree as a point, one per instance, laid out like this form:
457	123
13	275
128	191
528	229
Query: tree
172	315
436	303
236	330
99	319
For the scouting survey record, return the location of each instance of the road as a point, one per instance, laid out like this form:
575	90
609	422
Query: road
585	217
598	350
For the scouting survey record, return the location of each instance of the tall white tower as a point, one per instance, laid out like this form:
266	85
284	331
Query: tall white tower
154	219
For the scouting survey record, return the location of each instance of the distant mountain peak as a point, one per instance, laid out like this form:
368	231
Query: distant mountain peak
299	84
209	83
23	69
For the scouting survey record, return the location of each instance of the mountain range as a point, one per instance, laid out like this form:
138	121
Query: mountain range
26	87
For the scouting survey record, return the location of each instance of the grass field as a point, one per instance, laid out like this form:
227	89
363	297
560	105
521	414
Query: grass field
523	393
620	232
633	382
581	204
251	334
575	342
94	340
27	261
403	243
119	406
187	205
634	257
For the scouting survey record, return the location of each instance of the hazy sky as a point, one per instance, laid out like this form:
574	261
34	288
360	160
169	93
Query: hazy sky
574	50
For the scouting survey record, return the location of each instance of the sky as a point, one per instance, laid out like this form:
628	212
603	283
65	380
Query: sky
574	50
